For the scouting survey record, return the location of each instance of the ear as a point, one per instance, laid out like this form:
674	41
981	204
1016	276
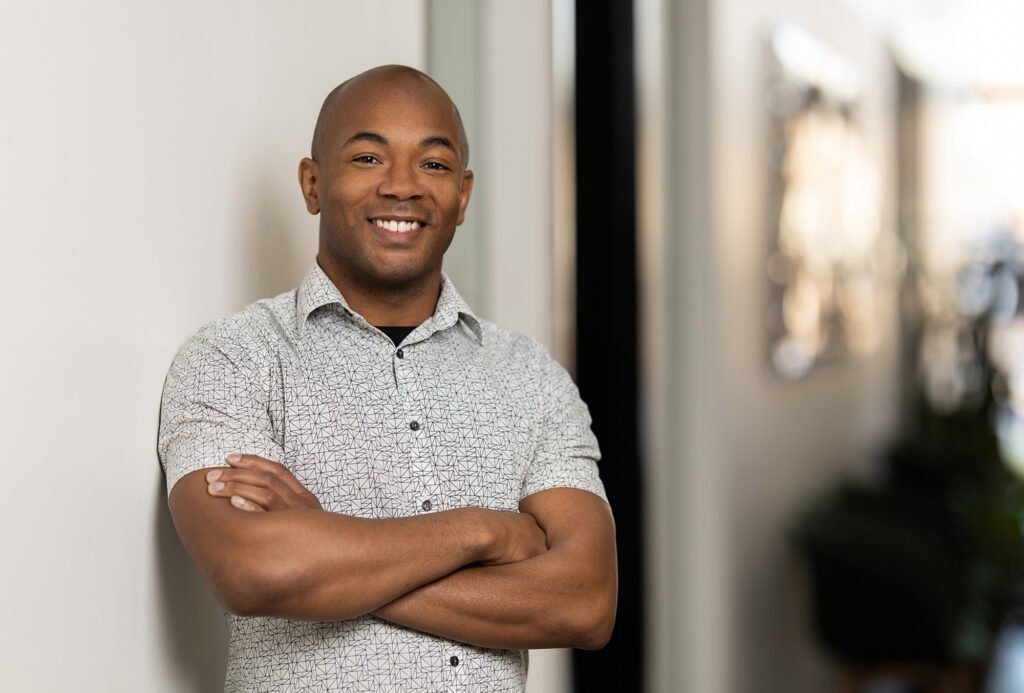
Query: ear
309	181
467	189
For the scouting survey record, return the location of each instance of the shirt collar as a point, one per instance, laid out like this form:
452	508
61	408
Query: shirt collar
317	291
451	308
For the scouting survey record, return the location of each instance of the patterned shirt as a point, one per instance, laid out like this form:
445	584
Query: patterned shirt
462	413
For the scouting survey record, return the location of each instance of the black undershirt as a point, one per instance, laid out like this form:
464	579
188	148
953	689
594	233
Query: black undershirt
396	334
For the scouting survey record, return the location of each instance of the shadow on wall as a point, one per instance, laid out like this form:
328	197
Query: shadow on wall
274	251
271	255
193	621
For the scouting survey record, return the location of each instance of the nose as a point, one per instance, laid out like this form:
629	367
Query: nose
400	182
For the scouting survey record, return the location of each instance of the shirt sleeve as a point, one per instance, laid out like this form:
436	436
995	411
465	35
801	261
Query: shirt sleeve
215	402
567	452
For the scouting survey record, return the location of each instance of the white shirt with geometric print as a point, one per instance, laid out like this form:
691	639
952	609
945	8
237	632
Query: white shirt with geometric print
462	413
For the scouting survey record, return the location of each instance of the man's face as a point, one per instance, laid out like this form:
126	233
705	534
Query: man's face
390	184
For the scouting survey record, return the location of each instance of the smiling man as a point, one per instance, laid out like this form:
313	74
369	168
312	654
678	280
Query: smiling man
385	491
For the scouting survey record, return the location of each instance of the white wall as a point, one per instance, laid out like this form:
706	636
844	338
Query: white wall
147	185
736	450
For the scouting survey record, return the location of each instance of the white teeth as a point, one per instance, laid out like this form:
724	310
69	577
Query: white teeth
397	226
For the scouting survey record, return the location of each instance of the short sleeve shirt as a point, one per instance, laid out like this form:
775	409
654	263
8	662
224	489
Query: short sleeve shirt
461	413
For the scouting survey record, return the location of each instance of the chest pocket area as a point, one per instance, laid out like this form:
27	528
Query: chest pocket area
483	444
340	443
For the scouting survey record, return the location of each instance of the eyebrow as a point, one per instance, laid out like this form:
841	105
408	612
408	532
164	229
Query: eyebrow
437	141
432	141
367	137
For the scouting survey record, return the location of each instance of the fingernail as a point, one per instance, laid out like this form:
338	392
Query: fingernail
238	500
213	476
234	457
216	485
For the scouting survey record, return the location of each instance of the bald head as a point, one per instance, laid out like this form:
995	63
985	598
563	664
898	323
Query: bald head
367	85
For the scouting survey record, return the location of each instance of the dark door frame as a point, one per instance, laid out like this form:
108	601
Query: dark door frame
607	328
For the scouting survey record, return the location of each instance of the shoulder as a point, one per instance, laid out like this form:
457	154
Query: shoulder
252	336
525	356
513	346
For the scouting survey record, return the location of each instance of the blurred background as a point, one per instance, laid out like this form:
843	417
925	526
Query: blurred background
777	242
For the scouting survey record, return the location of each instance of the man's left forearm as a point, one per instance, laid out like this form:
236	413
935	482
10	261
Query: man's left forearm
562	598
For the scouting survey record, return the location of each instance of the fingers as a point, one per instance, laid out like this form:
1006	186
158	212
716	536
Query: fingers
259	482
248	505
261	464
252	490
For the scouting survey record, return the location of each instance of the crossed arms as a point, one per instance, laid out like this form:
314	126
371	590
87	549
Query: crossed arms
542	577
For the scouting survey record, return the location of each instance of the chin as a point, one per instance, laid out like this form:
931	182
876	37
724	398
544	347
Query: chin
396	277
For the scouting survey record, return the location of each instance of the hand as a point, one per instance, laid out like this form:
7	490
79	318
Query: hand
257	485
517	537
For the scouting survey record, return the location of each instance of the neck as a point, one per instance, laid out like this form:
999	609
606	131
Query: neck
382	303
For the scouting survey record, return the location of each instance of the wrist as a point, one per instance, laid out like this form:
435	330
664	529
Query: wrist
481	535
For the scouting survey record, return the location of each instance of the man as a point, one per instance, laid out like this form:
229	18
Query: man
384	491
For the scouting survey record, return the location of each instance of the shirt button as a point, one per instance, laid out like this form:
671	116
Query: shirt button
454	660
427	505
414	425
400	354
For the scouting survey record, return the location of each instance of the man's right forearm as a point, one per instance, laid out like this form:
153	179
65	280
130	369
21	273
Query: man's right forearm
315	565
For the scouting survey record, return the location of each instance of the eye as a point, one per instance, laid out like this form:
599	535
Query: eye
435	166
366	159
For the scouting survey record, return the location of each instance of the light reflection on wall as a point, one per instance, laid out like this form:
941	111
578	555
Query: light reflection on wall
971	254
829	252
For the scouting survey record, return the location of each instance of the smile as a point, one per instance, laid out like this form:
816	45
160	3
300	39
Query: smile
395	225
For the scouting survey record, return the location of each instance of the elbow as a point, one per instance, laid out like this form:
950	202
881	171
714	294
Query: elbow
249	587
239	597
596	634
595	622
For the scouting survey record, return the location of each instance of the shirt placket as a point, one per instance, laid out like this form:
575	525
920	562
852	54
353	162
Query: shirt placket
421	465
457	668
